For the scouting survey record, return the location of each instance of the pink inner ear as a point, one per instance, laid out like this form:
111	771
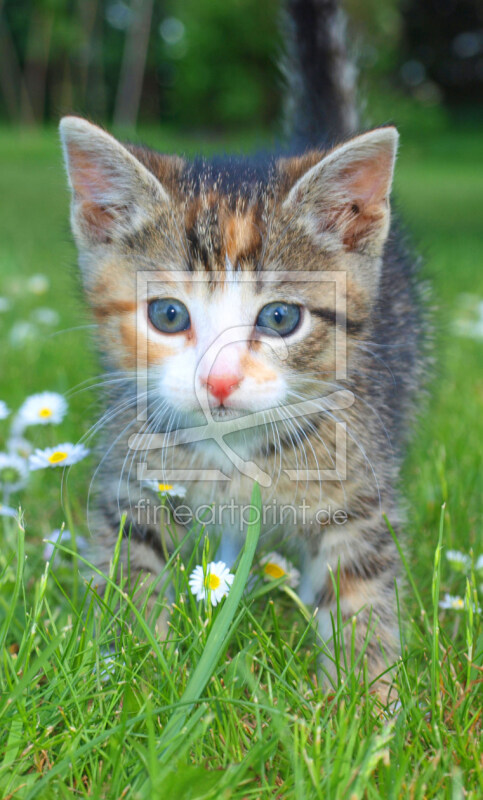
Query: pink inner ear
369	181
365	187
88	179
93	188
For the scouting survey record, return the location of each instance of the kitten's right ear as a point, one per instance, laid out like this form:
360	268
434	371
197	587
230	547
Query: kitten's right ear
113	194
344	197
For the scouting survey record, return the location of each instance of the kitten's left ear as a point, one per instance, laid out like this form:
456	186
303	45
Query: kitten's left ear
113	194
346	194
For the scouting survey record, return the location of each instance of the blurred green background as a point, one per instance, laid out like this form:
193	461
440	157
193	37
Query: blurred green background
213	64
192	76
196	76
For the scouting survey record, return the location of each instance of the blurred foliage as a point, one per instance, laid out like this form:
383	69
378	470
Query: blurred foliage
212	63
444	44
204	62
224	68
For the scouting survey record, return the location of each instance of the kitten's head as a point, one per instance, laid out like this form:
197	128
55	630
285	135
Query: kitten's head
228	282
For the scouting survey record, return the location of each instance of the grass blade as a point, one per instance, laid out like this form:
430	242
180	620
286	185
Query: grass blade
219	634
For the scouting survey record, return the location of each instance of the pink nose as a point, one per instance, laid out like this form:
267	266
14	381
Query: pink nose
221	386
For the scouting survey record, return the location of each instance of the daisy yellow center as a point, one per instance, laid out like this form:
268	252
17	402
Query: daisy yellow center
164	487
212	581
57	457
45	413
458	603
273	570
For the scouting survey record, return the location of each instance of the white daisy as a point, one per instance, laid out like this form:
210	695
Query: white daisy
452	601
7	511
276	566
172	489
460	561
22	447
46	316
61	456
4	410
38	284
479	563
64	536
13	472
42	408
215	582
22	332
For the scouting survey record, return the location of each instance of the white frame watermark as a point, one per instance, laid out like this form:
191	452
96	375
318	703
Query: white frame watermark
216	430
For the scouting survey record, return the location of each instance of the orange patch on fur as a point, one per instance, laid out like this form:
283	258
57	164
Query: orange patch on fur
112	308
135	348
359	592
127	329
353	589
191	212
241	235
167	169
253	368
157	352
291	169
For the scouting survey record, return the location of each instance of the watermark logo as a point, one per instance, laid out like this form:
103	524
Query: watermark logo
236	516
215	430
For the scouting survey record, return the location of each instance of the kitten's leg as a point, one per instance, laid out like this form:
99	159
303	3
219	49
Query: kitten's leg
364	562
141	557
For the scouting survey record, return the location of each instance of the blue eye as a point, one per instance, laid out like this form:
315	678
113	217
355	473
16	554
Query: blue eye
169	315
281	318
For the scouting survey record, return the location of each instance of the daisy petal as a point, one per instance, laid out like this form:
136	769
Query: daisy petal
275	566
459	561
214	584
452	602
7	511
13	472
42	409
64	455
38	284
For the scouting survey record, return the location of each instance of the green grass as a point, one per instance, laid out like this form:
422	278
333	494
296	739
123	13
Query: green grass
230	706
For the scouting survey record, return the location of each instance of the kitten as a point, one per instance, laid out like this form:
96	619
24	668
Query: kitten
258	319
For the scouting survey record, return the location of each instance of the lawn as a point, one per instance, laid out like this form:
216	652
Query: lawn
92	704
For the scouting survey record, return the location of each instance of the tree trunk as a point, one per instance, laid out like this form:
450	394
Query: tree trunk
36	64
11	78
130	85
93	84
87	10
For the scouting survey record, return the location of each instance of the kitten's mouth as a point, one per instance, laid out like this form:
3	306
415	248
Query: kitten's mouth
222	412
